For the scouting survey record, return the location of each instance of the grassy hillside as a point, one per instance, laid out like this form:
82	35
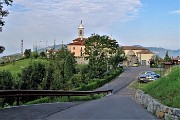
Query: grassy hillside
18	65
166	89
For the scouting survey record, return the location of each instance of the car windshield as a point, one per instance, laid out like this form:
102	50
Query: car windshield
150	72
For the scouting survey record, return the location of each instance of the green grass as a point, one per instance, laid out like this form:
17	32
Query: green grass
64	99
137	85
18	65
166	89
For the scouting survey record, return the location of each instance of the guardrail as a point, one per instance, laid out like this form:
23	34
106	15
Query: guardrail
23	93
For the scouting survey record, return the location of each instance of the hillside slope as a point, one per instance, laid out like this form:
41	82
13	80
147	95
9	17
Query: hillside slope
166	89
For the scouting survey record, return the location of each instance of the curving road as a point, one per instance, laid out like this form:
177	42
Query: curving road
120	105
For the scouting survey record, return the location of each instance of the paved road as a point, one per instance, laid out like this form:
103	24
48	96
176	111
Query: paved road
120	105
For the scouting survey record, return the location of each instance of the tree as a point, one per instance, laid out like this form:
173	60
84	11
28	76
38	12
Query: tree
167	58
35	55
69	66
49	78
27	53
118	57
32	76
98	50
6	83
65	68
42	54
3	13
2	49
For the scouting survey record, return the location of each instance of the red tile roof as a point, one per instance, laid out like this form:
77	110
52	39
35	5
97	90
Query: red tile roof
78	41
133	48
176	58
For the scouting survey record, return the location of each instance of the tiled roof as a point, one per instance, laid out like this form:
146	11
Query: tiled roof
133	48
176	58
145	52
78	41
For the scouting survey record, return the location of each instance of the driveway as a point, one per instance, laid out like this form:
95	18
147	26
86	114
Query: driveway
120	105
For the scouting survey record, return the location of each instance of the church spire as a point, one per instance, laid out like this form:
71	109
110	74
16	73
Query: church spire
81	30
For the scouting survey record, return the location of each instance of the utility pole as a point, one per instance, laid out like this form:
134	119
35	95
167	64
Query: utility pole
22	46
1	22
54	43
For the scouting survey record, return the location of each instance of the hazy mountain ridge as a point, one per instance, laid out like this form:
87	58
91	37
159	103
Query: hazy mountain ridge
157	50
162	51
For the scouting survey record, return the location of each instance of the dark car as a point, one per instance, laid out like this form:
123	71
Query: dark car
153	74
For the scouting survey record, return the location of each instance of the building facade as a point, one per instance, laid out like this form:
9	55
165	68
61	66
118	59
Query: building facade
77	46
138	55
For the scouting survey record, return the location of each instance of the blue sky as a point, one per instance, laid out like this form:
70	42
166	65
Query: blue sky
153	23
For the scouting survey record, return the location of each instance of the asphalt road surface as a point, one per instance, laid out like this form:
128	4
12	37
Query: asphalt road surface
119	105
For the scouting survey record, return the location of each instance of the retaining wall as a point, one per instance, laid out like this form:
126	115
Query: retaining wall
155	107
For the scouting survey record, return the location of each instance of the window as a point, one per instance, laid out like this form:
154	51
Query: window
73	48
80	32
143	62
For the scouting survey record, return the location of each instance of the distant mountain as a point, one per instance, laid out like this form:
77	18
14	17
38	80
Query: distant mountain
162	51
56	47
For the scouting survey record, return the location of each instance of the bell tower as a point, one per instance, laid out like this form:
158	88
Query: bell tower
81	30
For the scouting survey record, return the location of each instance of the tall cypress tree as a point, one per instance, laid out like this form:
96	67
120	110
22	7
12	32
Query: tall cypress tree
167	58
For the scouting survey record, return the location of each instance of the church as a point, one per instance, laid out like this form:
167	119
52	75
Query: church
134	54
77	46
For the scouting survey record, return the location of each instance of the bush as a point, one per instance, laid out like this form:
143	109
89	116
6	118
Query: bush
6	83
96	83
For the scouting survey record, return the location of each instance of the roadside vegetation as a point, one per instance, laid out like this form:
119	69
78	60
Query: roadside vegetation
166	89
60	71
15	67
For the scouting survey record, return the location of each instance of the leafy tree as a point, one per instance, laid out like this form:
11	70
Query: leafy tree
65	68
98	50
2	49
3	13
69	66
6	83
35	55
155	61
167	58
42	54
32	76
118	57
6	80
27	53
49	78
82	77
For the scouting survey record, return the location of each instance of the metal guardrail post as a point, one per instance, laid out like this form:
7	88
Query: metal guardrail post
17	101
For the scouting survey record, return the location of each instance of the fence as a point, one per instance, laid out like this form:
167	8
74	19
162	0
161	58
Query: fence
24	93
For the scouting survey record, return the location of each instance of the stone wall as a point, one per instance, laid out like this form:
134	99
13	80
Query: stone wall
155	107
81	60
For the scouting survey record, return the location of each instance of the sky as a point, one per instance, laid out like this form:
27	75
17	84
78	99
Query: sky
149	23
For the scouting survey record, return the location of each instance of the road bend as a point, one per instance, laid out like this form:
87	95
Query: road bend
121	105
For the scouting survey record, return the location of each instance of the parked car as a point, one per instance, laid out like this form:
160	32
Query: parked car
135	65
148	76
143	78
152	73
151	77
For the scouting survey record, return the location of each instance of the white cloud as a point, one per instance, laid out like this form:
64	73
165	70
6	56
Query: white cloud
64	11
176	12
35	20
